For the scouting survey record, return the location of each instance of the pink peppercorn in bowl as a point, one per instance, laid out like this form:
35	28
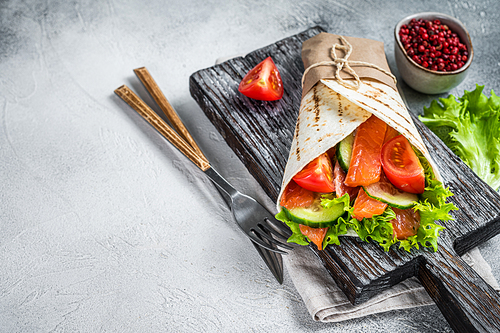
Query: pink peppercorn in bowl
433	52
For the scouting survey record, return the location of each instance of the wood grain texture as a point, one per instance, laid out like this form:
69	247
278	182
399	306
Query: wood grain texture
468	303
160	99
260	133
161	126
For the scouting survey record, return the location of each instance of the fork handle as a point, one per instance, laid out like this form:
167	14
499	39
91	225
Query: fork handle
160	99
161	126
220	182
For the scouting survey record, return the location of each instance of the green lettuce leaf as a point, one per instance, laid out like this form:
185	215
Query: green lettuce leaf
297	237
470	127
333	233
377	228
432	206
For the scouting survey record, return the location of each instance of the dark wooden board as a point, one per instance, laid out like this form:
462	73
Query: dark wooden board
260	133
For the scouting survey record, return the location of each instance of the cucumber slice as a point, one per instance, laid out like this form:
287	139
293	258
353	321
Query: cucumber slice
344	151
315	216
387	193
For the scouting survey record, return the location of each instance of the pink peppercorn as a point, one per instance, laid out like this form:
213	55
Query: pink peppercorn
433	45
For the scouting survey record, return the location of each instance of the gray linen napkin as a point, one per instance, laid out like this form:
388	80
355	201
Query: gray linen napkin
327	303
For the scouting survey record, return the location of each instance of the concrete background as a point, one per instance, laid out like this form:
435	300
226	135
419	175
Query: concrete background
104	227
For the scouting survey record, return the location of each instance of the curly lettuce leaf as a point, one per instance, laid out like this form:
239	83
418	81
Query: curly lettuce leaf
333	233
377	228
432	206
297	237
470	127
341	228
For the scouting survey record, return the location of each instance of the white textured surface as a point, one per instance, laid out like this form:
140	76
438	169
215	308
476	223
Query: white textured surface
104	226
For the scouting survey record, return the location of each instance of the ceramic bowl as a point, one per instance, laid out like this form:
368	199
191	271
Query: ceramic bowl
425	80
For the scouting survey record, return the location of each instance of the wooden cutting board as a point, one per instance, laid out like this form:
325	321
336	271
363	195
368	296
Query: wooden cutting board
261	133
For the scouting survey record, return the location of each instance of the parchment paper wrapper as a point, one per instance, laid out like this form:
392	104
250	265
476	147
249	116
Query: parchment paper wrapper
318	48
329	111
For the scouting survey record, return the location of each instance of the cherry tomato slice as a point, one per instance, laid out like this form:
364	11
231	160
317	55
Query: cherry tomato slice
317	176
406	223
401	165
295	196
263	82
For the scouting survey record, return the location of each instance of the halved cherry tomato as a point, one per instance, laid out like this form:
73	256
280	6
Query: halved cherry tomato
365	168
341	188
401	165
317	176
263	82
295	196
315	235
364	206
406	223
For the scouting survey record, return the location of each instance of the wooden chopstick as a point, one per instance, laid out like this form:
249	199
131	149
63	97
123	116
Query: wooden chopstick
161	126
160	99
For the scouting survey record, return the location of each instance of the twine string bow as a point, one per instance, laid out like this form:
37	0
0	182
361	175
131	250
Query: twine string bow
345	64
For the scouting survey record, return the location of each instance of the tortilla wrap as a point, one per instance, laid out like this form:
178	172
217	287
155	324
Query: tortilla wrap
329	112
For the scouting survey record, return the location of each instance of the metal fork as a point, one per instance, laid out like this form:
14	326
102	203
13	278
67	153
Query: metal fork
252	218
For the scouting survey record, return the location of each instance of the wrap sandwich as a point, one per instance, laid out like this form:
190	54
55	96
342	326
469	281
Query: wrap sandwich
357	164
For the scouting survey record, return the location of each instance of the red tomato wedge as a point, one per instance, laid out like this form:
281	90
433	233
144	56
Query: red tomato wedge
406	223
364	206
315	235
390	133
295	196
263	82
401	165
365	168
317	176
341	188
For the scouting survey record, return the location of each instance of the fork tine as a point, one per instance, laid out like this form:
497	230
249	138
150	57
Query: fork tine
273	232
270	239
280	226
256	240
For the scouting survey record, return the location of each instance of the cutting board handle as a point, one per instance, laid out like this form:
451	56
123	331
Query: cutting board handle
467	302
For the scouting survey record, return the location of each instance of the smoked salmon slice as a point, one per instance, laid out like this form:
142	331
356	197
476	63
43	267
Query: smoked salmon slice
390	133
341	188
315	235
364	206
365	166
406	223
295	196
